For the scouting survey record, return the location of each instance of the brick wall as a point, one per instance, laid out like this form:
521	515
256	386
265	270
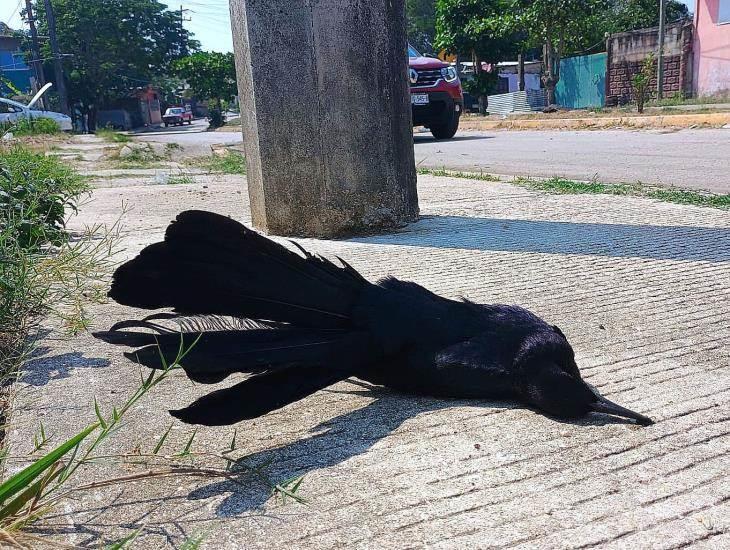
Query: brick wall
626	52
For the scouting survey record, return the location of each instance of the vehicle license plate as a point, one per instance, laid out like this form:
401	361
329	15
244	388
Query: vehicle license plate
419	99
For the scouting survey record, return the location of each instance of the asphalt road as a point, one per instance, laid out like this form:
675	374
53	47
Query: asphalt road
695	159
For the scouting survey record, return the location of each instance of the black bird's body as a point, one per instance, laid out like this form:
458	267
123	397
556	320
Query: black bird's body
300	323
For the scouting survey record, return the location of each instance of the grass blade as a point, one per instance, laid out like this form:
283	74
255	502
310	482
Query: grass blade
161	442
23	479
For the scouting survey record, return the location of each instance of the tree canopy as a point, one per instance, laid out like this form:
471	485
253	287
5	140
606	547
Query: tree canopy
493	30
421	20
114	46
210	75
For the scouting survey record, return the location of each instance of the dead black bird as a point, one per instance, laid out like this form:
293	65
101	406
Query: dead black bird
301	323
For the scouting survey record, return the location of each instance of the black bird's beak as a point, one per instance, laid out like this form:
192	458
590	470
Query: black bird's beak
603	405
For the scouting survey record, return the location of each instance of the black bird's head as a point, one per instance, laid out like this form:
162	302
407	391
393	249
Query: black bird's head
550	381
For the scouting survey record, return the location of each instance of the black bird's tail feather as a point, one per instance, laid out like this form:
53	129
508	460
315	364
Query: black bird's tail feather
292	326
212	265
210	356
258	395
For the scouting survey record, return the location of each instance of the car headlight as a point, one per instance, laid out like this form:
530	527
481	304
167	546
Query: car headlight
449	74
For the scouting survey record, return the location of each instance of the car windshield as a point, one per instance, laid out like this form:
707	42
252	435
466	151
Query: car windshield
176	111
413	52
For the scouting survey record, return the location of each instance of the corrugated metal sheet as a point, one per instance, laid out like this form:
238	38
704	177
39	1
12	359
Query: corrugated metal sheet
582	81
516	102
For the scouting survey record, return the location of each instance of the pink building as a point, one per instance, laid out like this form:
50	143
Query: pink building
712	47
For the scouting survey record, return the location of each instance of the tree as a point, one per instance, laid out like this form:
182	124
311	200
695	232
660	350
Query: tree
114	46
210	75
627	15
474	28
558	26
421	20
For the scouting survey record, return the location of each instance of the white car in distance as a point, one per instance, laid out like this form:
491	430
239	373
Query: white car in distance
10	111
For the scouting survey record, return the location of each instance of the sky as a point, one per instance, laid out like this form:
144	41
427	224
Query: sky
209	20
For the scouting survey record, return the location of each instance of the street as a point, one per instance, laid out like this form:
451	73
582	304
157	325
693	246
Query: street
693	159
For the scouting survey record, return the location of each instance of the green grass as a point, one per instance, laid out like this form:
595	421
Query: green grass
231	162
571	187
112	136
182	179
679	196
31	127
441	172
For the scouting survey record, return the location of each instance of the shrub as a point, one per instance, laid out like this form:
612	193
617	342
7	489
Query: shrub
640	81
32	127
35	191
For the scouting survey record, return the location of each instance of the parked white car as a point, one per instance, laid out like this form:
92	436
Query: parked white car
10	111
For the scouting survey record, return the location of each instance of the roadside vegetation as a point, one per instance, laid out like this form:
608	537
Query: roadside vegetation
48	272
113	136
230	162
564	186
31	127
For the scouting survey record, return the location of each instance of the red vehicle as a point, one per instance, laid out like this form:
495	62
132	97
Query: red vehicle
436	96
177	116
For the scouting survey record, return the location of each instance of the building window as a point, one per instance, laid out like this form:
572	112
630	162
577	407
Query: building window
723	11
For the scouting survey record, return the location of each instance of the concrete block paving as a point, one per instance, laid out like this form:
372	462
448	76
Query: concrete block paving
641	289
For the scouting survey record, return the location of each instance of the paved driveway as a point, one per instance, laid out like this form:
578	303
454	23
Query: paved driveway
642	290
695	159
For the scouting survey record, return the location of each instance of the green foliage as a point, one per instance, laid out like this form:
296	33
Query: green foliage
475	28
231	162
111	135
117	45
215	118
211	75
483	84
35	191
32	127
626	15
640	81
421	23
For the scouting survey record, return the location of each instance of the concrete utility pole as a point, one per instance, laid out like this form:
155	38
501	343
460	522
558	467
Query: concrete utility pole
57	65
521	71
183	40
35	48
660	54
325	106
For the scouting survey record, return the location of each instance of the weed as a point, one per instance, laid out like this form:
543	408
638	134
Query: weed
232	162
565	186
36	489
31	127
170	147
182	179
110	135
35	191
482	176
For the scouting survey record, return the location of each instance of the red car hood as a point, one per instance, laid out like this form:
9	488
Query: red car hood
426	63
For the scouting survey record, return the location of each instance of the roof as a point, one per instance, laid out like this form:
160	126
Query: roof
5	30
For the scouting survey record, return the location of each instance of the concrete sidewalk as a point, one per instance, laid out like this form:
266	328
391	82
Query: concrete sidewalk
642	290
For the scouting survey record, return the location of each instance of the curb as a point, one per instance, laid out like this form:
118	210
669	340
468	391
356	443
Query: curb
653	121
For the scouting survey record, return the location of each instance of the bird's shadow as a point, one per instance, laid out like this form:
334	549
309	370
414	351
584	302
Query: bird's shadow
337	440
41	369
